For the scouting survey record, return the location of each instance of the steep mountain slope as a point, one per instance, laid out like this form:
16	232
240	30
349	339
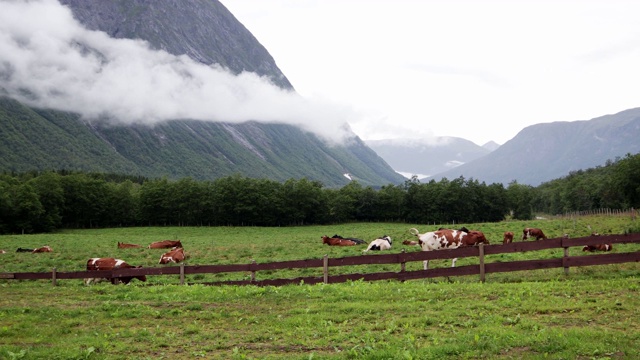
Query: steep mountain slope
548	151
37	139
426	157
204	30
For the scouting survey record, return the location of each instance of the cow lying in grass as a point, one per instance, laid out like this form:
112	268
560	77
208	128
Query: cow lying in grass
334	241
175	255
447	239
383	243
356	240
122	245
598	247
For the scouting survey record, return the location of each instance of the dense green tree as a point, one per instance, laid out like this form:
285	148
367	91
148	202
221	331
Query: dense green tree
51	195
519	198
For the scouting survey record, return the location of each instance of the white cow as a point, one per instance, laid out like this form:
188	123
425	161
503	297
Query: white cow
383	243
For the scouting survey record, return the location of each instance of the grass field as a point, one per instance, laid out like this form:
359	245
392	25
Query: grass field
590	314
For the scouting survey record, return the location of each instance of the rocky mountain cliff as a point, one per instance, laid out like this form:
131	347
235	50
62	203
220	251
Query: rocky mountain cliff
38	138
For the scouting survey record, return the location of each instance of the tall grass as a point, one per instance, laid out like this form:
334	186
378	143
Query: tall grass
591	313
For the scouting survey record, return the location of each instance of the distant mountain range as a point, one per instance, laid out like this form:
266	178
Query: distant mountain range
537	154
427	157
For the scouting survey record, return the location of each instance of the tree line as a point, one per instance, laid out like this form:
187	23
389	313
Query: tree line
46	201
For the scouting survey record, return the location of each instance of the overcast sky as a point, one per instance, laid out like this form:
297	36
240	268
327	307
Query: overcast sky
481	70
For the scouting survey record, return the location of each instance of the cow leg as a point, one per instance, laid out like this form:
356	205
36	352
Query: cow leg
425	264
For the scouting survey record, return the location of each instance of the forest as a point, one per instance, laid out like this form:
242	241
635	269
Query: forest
36	202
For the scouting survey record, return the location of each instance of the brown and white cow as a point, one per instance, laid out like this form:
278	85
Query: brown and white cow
127	246
447	239
2	252
598	247
165	244
94	264
175	255
533	233
507	237
45	248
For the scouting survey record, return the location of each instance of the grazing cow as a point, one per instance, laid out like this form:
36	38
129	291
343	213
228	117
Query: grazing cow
174	255
533	233
508	237
598	247
21	249
165	244
127	246
45	248
334	241
356	240
383	243
111	264
447	239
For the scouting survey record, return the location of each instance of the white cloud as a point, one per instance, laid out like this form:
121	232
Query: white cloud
47	59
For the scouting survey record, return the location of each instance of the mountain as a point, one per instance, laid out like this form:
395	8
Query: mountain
426	157
35	138
548	151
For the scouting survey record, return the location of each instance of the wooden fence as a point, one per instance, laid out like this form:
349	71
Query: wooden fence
481	269
632	213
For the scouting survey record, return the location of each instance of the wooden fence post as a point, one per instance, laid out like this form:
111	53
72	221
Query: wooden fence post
564	261
402	264
481	259
181	273
53	277
325	268
253	273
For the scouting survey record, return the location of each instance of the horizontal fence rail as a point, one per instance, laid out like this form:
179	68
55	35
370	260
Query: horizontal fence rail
402	258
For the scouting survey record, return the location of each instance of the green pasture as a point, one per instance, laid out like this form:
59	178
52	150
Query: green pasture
590	314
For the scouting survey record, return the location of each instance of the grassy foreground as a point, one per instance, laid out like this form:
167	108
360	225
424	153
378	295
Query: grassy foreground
590	314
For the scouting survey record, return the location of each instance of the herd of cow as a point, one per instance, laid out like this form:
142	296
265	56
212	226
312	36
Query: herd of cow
448	239
429	241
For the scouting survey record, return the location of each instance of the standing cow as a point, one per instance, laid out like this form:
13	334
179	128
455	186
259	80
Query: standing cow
533	233
94	264
507	238
447	239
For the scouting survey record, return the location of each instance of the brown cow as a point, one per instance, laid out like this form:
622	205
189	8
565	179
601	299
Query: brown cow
508	237
165	244
127	246
334	241
533	233
45	248
598	247
111	264
447	239
410	242
174	255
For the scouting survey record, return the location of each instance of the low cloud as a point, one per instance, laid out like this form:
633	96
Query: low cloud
48	59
